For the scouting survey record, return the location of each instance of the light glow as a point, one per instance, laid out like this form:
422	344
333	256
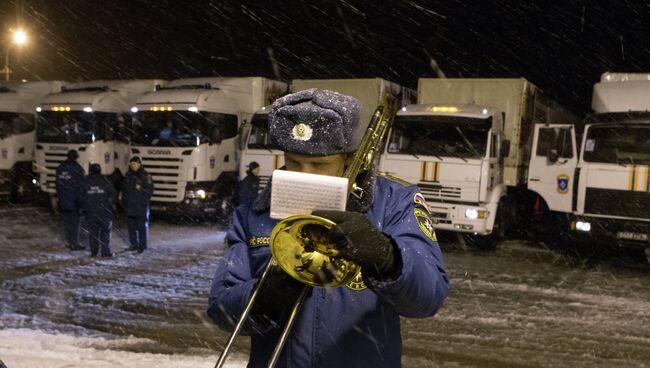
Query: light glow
444	109
20	37
583	226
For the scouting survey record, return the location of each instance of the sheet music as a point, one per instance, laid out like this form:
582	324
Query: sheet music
296	193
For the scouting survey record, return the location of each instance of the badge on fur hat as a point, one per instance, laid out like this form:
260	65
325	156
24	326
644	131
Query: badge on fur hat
302	132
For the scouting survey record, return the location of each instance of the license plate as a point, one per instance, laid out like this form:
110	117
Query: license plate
631	236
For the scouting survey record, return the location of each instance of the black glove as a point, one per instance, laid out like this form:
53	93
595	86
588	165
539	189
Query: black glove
276	297
360	242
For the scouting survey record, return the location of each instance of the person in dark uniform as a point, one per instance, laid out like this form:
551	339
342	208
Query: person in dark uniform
137	189
69	183
98	200
250	186
387	231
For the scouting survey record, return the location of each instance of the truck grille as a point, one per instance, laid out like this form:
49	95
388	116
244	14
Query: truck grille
439	192
617	203
166	172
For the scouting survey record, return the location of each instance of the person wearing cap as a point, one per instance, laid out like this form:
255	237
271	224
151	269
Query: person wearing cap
386	231
250	186
98	198
69	182
137	189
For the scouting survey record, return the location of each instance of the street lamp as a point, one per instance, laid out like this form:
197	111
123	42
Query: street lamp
19	37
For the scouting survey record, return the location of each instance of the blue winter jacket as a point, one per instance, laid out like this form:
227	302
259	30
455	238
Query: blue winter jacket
69	182
98	198
338	327
137	189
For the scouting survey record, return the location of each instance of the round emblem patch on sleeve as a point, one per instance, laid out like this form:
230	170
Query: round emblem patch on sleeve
422	217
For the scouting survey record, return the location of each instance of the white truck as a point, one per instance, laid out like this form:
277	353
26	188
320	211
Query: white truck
186	135
612	191
91	117
487	155
256	143
18	103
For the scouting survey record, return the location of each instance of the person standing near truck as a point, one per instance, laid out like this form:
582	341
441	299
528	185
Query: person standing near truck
137	190
69	183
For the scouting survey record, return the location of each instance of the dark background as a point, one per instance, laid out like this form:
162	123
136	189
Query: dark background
561	46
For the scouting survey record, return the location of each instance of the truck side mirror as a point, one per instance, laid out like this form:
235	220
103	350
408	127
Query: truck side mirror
553	156
505	148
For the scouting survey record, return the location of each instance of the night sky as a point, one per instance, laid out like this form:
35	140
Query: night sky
561	46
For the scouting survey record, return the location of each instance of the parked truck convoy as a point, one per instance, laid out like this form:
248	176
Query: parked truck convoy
611	207
18	103
256	144
487	155
186	134
91	117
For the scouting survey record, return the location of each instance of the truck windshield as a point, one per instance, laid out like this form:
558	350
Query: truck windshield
12	123
440	136
182	128
74	126
259	136
618	143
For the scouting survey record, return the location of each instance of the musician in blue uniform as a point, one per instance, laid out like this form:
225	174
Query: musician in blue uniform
387	231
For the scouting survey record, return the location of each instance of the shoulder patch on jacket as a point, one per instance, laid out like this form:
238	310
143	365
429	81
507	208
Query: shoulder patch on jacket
395	179
425	223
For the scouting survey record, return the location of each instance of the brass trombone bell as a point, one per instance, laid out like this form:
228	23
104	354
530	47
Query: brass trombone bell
300	246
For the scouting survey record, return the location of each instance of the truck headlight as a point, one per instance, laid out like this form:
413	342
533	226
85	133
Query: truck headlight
473	213
199	193
583	226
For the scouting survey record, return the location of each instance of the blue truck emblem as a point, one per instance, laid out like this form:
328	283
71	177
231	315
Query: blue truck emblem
563	184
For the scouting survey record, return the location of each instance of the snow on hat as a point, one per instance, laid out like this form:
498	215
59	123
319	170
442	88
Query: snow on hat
315	123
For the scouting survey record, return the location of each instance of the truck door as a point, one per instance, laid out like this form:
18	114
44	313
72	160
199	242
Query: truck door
552	164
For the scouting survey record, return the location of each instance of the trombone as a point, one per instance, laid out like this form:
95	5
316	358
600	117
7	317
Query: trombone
299	244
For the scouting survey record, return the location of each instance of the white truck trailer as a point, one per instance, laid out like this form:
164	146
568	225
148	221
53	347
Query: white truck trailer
486	153
186	135
18	103
369	91
91	117
612	191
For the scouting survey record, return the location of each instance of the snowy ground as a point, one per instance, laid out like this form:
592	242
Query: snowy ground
519	306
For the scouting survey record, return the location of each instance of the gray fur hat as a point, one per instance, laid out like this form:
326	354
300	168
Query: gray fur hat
315	123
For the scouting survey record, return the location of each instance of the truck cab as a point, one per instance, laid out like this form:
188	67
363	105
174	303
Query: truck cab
453	153
18	102
94	119
256	146
612	207
186	136
471	147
